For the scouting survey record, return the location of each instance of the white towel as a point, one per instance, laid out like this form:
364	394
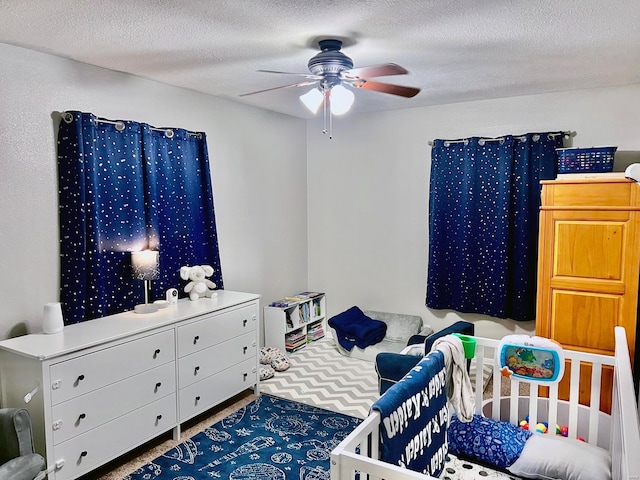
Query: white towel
459	389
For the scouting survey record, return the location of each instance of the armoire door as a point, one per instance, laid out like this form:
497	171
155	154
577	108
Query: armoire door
588	268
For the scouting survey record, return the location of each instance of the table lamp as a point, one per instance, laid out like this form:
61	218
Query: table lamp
145	267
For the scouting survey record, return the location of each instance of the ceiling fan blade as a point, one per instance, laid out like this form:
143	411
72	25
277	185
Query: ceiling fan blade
374	71
300	84
305	75
399	90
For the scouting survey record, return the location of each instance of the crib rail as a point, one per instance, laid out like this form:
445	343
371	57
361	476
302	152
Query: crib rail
524	399
357	455
625	435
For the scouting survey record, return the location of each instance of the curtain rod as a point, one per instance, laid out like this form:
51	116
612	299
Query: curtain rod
119	124
522	138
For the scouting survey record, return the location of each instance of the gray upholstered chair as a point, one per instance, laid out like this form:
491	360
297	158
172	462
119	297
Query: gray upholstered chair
391	366
18	461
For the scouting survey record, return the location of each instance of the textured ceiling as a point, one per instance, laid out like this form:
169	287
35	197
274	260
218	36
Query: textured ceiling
454	50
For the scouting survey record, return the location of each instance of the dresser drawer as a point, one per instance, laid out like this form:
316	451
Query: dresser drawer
89	372
203	395
84	452
215	329
89	411
200	365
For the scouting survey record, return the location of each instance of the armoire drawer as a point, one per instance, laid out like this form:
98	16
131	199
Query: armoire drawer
200	365
89	372
84	452
89	411
200	396
214	329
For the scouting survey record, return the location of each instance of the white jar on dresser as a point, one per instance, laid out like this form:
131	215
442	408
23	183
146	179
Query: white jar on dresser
100	388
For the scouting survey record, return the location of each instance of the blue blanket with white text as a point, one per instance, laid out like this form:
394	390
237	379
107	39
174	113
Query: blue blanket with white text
414	418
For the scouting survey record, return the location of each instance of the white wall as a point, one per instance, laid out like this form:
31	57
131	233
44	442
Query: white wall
258	174
365	191
368	190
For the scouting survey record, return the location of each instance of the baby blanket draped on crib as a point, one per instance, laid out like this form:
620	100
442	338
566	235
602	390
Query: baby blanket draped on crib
459	389
414	418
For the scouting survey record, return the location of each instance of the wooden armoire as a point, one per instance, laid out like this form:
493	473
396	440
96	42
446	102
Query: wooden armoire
588	267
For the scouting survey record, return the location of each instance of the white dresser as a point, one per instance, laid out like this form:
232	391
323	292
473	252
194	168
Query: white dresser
108	385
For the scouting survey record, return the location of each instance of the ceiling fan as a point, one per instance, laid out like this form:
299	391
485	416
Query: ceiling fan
330	70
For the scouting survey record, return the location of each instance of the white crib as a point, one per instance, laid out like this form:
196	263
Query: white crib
619	432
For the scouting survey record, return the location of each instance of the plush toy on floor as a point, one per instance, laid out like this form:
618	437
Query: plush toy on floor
198	286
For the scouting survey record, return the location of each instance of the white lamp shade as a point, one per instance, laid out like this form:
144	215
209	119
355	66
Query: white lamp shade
341	100
312	99
145	265
52	321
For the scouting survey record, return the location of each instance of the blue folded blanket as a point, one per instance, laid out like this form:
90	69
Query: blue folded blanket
353	327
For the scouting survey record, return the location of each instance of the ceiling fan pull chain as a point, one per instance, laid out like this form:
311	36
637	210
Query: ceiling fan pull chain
324	112
330	124
327	111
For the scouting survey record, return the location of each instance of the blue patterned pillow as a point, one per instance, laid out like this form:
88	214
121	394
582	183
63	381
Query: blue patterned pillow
486	440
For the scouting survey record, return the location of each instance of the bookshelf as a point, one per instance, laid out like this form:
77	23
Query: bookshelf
292	322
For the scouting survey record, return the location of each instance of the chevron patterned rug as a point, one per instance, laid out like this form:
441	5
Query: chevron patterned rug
320	376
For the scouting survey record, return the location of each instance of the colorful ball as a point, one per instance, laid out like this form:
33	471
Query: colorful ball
564	431
523	423
540	427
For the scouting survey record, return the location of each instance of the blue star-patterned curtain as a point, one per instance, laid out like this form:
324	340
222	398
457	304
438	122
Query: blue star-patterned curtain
126	186
483	223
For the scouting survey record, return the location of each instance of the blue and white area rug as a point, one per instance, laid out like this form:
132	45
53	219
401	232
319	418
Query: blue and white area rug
270	438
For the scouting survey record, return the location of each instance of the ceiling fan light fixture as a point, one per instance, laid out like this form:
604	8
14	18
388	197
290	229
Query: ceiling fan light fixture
312	100
341	100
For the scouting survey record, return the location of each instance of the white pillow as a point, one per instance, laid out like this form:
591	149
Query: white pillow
554	457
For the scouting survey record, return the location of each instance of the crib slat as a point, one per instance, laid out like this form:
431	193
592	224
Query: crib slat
479	361
373	444
365	445
533	407
574	394
513	401
553	406
594	402
497	383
